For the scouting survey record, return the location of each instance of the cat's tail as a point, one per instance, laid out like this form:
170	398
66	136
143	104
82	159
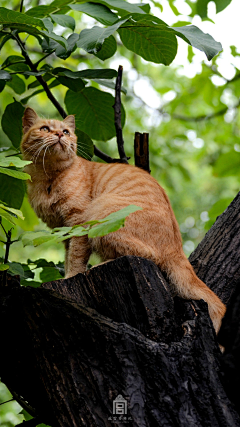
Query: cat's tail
188	286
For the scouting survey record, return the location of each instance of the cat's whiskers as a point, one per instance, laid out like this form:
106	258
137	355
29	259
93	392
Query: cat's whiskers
43	160
36	155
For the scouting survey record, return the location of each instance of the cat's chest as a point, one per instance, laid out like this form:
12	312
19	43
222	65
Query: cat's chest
49	201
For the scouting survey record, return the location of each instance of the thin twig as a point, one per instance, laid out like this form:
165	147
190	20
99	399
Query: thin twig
21	6
44	57
117	116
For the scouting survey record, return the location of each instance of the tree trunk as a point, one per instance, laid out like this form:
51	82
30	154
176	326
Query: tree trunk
77	344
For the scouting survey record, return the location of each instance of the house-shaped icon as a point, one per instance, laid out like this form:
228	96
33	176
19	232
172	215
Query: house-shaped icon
120	405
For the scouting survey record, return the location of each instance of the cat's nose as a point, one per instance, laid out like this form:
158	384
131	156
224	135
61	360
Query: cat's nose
59	133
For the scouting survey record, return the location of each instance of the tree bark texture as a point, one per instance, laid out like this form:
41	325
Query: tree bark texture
77	344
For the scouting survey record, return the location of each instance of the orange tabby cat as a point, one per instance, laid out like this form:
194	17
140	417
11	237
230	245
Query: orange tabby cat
67	190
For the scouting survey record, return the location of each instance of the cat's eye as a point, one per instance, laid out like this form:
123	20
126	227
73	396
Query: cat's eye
45	128
66	132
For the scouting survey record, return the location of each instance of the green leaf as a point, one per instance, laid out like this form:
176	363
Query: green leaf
17	84
91	117
2	85
40	11
85	147
36	238
12	191
49	274
150	39
92	39
8	17
15	174
4	214
98	11
76	85
6	160
71	46
13	114
202	6
55	37
87	74
12	59
64	20
4	75
113	222
108	48
15	269
196	38
121	6
4	267
4	40
16	212
48	24
218	208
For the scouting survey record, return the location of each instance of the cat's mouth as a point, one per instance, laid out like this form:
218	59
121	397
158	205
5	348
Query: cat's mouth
58	143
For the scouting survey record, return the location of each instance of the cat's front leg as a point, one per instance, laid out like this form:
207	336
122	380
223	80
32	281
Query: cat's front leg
78	252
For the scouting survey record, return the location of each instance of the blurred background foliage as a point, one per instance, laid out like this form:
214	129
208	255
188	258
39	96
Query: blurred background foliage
193	124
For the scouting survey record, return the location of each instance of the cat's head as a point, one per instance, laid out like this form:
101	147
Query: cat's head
48	140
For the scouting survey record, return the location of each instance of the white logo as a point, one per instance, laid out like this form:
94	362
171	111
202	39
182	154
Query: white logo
120	411
119	405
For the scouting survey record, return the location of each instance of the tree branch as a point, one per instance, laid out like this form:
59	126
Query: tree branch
117	116
44	84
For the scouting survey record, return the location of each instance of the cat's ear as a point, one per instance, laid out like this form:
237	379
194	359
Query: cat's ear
29	119
70	121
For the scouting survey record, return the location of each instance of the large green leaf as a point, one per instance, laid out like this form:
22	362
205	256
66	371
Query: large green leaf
150	38
8	17
85	147
91	117
114	221
12	191
64	20
87	74
195	37
98	11
13	114
92	39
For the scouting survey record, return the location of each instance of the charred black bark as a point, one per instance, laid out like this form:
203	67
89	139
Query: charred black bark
77	344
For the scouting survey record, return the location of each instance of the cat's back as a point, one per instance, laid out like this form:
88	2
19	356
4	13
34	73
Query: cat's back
121	181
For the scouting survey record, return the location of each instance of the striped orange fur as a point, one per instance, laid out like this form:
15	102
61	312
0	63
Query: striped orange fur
67	190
